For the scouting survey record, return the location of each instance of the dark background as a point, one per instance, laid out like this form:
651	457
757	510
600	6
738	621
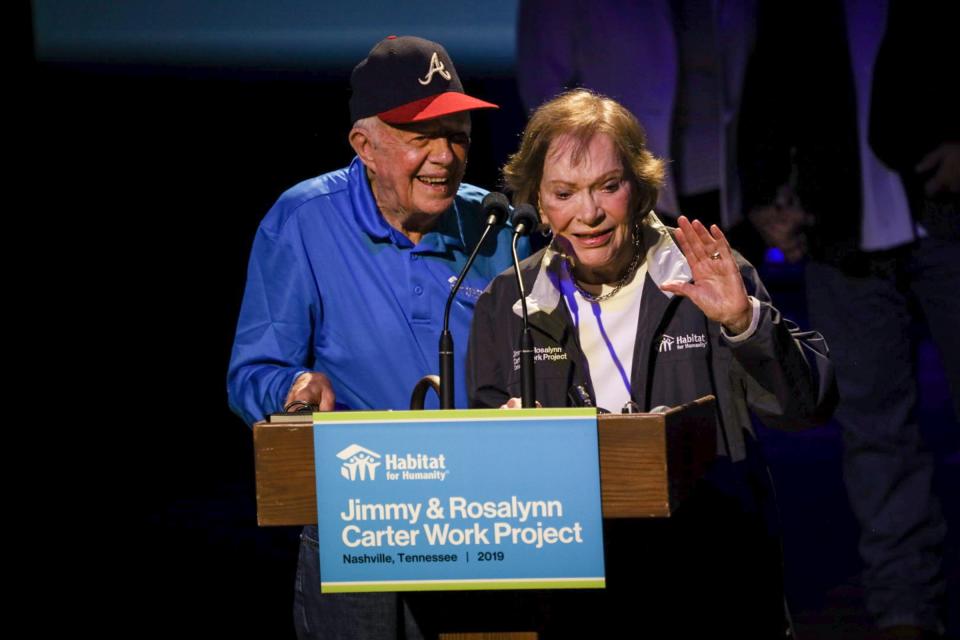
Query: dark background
138	191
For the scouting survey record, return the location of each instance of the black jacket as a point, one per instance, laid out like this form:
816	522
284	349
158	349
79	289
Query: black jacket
780	373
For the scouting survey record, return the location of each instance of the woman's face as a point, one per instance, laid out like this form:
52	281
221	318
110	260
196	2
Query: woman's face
589	205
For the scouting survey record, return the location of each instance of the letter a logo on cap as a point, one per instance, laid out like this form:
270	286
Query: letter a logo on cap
436	66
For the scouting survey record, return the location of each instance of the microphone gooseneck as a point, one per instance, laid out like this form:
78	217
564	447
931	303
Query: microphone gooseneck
525	220
496	208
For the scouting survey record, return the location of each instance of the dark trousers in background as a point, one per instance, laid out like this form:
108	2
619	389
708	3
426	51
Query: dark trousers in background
867	314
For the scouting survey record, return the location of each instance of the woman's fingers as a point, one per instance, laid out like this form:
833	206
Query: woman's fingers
723	245
701	244
689	241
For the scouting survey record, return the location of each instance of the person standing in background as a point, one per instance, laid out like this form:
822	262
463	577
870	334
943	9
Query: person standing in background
849	155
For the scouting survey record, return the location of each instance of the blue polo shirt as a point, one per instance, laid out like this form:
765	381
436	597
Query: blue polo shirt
332	287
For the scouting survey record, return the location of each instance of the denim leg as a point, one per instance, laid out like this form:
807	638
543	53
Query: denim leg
935	281
866	321
343	616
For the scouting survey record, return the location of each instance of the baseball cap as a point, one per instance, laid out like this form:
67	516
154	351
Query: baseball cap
408	79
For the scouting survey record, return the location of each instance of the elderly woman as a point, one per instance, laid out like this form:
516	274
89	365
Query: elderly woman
626	311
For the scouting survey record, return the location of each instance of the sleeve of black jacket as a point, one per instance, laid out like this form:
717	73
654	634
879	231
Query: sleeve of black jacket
785	373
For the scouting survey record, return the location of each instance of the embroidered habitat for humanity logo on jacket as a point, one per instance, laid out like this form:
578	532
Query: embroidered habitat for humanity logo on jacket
670	343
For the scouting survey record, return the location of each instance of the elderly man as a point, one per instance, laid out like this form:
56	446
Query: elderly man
348	278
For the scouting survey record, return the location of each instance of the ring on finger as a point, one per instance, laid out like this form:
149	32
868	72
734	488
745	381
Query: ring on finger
715	255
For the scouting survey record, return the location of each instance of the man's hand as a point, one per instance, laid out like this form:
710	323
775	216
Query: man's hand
944	163
781	225
517	403
312	387
782	228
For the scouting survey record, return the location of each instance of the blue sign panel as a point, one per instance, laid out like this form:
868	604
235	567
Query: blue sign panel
435	500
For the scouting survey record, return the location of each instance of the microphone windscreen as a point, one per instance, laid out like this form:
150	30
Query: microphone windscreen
525	219
496	204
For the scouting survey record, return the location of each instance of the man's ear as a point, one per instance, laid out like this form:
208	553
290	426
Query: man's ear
362	144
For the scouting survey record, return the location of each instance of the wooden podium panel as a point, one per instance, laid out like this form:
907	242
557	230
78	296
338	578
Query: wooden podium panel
648	463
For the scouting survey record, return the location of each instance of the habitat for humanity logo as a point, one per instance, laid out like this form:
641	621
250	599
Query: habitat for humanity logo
468	292
689	341
358	462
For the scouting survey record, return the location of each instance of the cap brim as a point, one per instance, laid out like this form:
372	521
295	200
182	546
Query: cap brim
434	107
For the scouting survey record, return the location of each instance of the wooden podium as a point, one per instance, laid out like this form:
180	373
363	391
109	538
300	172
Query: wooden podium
649	463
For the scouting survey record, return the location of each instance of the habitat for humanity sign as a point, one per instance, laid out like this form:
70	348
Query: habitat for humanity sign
476	499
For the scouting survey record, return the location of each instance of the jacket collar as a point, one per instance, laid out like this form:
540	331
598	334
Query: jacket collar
664	260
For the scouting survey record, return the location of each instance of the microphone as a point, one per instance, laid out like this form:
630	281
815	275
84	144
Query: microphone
524	220
496	208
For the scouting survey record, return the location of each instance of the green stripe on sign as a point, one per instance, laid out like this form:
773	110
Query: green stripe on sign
481	585
453	415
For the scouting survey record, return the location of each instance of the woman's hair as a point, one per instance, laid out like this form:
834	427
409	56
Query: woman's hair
583	114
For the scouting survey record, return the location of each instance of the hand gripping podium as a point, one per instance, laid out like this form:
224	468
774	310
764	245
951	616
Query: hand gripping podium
649	463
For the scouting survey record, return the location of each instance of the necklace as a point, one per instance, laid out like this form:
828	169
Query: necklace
637	256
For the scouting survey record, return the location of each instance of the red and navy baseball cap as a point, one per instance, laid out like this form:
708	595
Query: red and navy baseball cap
408	79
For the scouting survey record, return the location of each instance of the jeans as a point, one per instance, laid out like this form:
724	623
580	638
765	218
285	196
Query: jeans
866	316
344	616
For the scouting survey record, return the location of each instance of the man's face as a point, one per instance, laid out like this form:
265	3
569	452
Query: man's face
415	169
